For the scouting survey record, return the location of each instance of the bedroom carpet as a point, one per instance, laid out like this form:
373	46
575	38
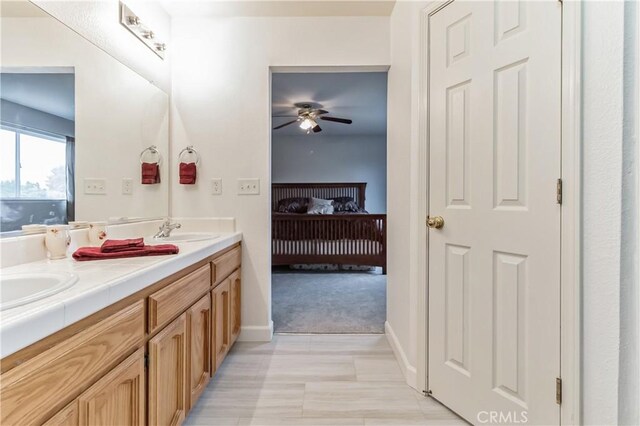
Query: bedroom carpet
317	302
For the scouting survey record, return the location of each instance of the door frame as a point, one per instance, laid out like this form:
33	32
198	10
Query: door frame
571	235
300	69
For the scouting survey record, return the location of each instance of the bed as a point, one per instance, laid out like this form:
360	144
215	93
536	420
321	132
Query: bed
344	238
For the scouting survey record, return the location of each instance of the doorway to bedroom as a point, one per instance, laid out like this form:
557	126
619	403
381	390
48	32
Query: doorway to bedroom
328	202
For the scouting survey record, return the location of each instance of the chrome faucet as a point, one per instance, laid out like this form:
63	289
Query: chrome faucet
165	230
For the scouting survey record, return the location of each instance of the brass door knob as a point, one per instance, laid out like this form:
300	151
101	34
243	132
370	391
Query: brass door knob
436	222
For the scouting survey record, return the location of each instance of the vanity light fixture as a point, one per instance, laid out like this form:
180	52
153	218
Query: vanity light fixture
134	24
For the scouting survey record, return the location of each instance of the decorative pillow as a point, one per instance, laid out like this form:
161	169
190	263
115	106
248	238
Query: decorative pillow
341	200
293	205
347	206
320	206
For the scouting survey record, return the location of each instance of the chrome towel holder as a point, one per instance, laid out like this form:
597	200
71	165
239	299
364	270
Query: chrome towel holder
151	150
189	150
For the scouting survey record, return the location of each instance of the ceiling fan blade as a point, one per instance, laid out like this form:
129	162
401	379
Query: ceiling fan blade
337	120
285	124
316	129
321	111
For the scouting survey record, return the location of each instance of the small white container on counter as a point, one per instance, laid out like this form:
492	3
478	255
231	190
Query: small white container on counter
57	240
97	233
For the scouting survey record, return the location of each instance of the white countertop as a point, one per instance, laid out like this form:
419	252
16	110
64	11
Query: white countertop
100	284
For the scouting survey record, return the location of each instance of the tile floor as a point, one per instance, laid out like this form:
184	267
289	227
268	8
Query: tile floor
309	380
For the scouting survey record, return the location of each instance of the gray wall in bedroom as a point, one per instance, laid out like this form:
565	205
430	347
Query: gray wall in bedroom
12	113
320	158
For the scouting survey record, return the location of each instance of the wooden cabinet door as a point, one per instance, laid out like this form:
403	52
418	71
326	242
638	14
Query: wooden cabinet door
236	305
199	347
39	388
221	330
118	398
167	374
68	416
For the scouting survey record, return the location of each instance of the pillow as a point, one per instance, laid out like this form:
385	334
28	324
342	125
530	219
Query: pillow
345	204
293	205
341	199
320	206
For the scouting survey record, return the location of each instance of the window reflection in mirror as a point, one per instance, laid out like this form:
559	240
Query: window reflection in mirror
36	148
112	111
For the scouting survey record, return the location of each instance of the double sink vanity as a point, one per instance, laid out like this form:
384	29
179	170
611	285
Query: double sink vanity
122	341
127	341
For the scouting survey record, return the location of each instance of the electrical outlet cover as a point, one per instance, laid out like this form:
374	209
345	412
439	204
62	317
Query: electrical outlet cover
127	186
216	186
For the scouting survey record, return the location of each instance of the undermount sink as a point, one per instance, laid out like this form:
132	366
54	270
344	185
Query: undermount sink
182	237
20	289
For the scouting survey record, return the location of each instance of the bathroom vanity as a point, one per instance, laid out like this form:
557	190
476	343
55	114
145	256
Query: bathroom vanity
145	357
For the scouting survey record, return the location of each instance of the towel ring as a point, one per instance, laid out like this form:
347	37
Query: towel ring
151	150
189	150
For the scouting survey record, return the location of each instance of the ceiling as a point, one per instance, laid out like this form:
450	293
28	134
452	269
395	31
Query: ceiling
359	96
20	9
51	93
264	8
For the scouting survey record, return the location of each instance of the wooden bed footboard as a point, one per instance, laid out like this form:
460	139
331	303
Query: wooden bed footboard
342	239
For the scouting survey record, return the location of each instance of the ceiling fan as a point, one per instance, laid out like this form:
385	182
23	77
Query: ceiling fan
308	116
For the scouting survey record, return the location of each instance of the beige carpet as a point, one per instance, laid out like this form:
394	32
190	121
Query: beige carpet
334	302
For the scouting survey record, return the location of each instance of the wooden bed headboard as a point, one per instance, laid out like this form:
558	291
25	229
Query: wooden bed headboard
280	191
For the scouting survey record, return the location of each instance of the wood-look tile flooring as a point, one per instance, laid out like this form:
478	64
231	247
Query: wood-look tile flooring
308	380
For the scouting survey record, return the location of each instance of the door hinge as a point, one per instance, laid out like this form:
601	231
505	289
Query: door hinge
558	390
146	361
427	392
559	191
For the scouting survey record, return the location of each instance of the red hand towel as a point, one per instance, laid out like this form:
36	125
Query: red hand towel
187	173
114	246
150	173
94	253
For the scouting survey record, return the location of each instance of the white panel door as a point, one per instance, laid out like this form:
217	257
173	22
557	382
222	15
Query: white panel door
494	267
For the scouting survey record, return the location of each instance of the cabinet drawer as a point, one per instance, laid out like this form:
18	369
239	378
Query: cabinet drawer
226	264
39	388
166	304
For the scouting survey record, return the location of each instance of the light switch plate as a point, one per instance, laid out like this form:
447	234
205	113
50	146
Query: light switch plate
216	186
127	186
95	186
249	186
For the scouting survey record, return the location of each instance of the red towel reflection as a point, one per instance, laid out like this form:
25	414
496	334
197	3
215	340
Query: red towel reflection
150	173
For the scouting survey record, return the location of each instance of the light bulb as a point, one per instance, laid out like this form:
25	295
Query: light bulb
306	124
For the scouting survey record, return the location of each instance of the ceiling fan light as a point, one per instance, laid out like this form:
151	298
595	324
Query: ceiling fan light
308	123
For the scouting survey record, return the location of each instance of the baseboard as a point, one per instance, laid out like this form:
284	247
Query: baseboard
256	333
408	370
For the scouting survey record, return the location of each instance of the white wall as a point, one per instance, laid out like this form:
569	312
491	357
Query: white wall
321	158
118	114
221	98
99	22
610	213
402	157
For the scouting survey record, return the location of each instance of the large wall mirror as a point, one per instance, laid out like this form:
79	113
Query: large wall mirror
75	126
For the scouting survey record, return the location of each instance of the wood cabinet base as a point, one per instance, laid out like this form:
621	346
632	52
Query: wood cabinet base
95	372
